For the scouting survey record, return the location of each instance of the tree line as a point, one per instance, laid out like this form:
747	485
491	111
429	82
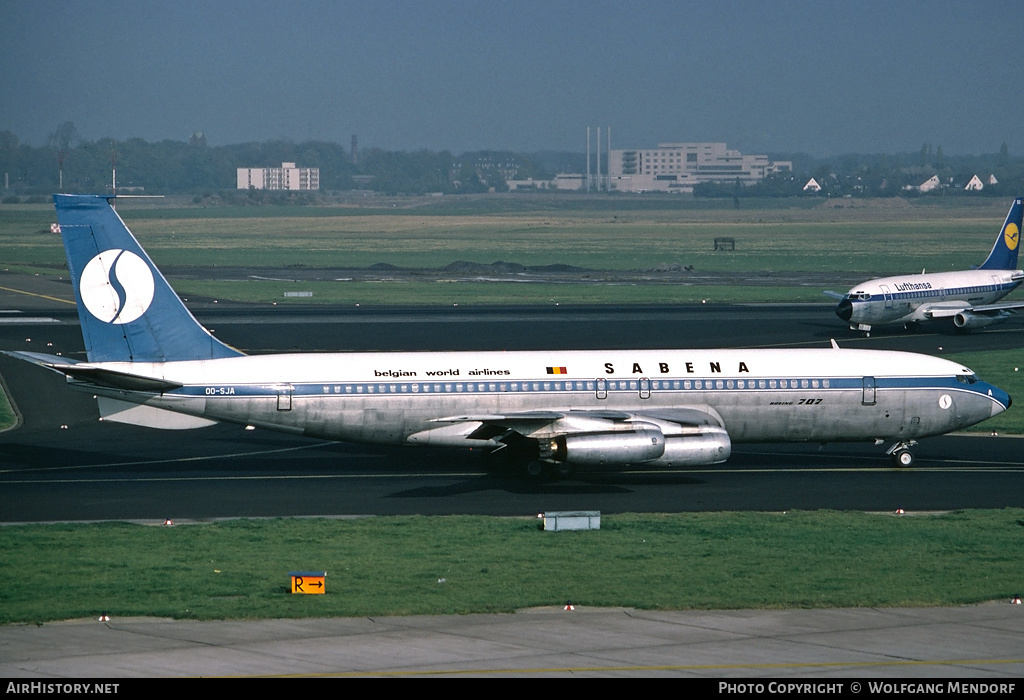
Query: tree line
167	167
68	163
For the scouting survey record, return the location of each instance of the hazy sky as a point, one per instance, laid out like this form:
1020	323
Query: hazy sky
821	77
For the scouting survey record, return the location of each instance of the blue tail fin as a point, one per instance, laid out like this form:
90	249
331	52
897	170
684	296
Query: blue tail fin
1004	252
128	311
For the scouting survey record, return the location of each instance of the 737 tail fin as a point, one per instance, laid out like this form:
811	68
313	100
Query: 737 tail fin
128	311
1004	252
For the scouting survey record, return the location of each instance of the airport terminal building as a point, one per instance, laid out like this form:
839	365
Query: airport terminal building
677	167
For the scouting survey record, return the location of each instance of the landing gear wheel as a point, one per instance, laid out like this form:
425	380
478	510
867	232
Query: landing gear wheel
902	459
534	469
562	470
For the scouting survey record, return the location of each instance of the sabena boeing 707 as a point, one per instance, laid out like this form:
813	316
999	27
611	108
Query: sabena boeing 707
967	297
150	363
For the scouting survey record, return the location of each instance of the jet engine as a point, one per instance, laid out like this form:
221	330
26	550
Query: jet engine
710	446
705	445
612	447
965	320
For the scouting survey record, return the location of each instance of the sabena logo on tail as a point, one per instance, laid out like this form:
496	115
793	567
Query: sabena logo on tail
117	286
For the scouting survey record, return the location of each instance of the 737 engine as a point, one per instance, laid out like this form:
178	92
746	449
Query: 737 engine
965	320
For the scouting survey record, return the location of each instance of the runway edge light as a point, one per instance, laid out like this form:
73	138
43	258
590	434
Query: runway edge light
308	582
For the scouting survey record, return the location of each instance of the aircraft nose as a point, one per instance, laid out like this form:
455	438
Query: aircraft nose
845	310
1002	400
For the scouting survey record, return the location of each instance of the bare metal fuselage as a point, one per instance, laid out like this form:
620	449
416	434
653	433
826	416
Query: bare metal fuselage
444	399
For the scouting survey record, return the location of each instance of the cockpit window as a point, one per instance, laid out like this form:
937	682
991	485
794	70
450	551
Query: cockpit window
967	378
862	296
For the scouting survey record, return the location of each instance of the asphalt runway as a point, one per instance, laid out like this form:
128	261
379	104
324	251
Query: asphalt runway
62	464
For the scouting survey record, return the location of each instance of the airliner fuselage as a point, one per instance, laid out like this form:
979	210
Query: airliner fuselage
916	298
664	407
967	297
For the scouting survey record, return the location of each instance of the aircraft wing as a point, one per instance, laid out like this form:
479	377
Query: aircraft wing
573	420
500	428
835	295
982	310
670	437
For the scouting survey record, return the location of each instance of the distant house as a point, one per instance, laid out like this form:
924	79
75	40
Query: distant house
812	186
974	185
930	184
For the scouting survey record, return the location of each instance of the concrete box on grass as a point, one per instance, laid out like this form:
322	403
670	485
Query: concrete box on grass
572	520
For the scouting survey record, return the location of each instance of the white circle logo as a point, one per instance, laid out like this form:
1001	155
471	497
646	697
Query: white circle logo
116	286
945	402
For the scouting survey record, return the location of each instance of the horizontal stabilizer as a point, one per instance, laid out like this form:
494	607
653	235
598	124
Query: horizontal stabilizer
118	380
93	374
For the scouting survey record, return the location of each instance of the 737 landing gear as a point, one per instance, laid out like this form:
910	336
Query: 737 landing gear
901	455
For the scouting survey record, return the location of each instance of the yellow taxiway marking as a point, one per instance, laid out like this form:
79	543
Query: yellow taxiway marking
173	460
41	296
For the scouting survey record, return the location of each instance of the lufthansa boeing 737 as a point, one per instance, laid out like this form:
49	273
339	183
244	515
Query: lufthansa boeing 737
967	297
150	363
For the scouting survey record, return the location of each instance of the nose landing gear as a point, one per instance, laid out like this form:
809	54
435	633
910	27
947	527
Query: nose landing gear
901	455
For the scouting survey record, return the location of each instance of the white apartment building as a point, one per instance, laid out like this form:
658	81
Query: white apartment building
287	177
677	167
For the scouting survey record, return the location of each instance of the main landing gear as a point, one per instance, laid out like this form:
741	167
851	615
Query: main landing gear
901	455
536	470
521	456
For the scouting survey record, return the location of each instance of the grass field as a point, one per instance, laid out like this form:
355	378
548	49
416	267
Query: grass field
876	238
458	564
449	293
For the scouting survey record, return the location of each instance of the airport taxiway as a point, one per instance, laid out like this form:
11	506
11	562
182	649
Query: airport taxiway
977	642
62	465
